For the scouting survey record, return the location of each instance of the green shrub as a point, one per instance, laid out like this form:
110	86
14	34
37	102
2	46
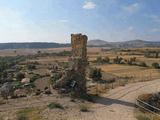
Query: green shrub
156	65
64	53
84	108
55	105
141	117
20	76
35	77
55	77
131	61
31	66
17	84
143	64
106	59
117	60
95	74
99	59
22	117
65	64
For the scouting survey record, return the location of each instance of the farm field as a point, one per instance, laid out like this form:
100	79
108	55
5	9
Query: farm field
79	59
134	72
40	65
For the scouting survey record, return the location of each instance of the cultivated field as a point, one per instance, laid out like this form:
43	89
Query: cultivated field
114	97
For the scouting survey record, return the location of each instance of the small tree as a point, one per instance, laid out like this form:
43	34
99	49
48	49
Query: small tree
99	59
95	74
106	59
157	54
35	77
4	74
156	65
20	76
143	64
39	52
55	77
31	66
7	90
118	60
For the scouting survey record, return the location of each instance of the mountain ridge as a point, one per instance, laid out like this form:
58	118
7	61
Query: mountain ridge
32	45
125	44
91	43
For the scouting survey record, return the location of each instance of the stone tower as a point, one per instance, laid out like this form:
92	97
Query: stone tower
74	79
79	46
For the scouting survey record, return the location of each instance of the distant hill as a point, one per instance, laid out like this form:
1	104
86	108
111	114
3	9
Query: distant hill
31	45
97	42
124	44
91	43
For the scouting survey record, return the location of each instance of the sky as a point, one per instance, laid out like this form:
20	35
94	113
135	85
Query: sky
56	20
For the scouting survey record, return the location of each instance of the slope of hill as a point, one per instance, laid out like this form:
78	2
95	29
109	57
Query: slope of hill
91	43
96	42
124	44
31	45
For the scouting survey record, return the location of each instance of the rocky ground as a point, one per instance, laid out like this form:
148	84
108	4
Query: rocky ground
117	104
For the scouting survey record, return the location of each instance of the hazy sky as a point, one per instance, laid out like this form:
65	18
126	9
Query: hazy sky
55	20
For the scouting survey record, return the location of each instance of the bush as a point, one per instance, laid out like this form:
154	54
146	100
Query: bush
64	64
17	84
143	64
99	59
95	74
7	90
32	113
35	77
131	61
106	59
117	60
84	108
31	67
55	77
22	117
20	76
64	53
140	117
55	105
156	65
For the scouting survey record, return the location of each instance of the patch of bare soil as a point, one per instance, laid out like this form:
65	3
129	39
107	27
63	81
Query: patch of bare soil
117	104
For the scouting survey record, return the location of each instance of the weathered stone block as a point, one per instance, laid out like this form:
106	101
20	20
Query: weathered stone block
79	45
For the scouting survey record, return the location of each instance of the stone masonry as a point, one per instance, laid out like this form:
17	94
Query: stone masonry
79	46
74	78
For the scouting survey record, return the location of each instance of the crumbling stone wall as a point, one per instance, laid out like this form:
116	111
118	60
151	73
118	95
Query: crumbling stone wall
74	78
79	45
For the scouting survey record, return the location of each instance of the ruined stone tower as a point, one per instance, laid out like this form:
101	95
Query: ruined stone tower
74	79
79	46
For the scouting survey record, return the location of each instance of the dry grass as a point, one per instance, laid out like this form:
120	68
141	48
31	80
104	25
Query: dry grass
47	60
141	115
84	108
30	114
54	105
134	72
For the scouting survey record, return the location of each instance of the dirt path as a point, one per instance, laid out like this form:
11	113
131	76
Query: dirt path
118	104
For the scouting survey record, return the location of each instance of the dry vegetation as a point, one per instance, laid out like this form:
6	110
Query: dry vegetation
135	73
121	73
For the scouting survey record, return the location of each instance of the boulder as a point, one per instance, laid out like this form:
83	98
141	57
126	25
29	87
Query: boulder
7	90
25	80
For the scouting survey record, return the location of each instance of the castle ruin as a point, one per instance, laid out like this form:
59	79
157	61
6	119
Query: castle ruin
79	46
74	78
